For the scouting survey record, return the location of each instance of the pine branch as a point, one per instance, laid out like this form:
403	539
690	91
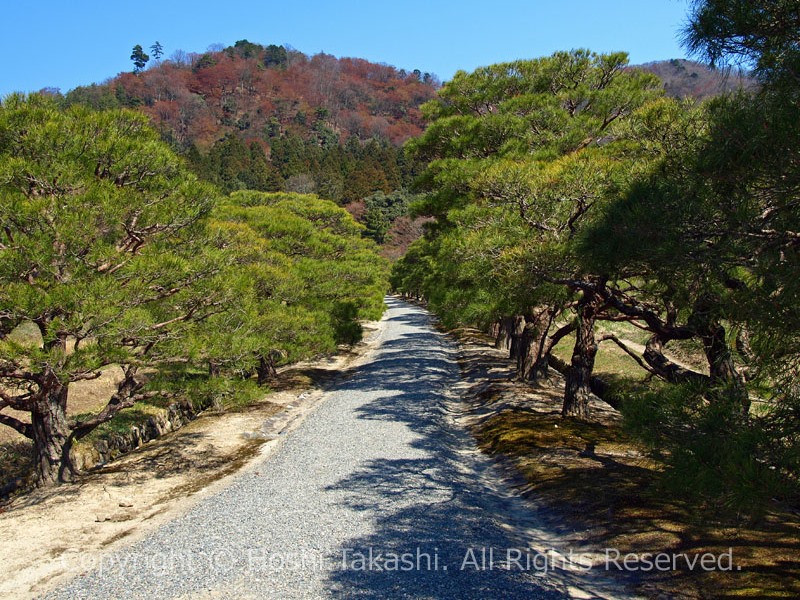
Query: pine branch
20	402
90	376
13	371
25	429
629	352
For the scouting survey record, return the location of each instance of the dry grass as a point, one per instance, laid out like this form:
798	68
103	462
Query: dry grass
15	461
591	477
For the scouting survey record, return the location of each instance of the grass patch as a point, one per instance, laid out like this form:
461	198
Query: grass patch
610	359
122	422
204	392
625	331
561	459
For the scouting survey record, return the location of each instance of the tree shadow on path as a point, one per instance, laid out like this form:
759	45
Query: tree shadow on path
437	533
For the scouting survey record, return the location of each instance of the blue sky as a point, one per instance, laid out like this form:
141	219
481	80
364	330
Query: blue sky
55	43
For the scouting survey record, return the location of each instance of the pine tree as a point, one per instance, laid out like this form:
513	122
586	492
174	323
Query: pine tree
519	159
139	58
104	251
156	50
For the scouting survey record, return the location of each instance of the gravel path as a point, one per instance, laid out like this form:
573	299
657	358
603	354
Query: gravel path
378	494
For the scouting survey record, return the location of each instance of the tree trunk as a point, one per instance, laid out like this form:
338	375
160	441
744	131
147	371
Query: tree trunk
494	330
516	329
665	368
578	378
532	353
266	369
50	432
720	362
745	351
505	329
724	377
721	367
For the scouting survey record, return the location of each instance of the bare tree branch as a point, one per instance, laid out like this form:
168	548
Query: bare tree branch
86	376
18	402
629	352
25	429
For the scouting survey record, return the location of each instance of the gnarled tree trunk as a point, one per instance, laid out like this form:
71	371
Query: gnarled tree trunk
664	367
50	431
532	361
725	378
577	390
505	330
516	330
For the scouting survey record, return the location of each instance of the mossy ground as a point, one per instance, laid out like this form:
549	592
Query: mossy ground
592	477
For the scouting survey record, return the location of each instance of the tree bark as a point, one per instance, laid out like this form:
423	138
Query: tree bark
533	348
516	330
726	381
265	370
577	389
526	354
50	431
505	329
745	351
665	368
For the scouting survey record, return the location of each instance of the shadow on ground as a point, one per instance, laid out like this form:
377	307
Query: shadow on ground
592	478
444	522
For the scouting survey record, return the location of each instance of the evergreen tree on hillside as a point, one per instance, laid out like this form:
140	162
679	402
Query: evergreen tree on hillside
299	109
157	51
139	58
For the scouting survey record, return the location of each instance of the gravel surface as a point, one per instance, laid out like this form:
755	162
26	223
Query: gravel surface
377	494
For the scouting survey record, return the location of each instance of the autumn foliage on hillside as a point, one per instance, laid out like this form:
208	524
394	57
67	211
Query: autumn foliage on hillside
274	119
258	93
689	79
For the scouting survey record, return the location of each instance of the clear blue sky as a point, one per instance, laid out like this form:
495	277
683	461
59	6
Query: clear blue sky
63	44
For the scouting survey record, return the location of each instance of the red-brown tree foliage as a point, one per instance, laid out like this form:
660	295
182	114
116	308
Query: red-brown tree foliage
201	99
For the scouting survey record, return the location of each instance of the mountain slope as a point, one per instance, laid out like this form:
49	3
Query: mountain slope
262	92
688	79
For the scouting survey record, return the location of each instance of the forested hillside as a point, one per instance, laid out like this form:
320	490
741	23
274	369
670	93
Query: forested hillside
274	119
267	118
689	79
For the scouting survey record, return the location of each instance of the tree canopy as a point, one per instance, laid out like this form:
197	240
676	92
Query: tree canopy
521	155
119	256
102	247
567	192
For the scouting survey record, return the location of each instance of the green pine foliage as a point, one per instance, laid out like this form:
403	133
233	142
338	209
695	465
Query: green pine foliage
115	254
569	183
520	155
306	275
714	458
382	210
